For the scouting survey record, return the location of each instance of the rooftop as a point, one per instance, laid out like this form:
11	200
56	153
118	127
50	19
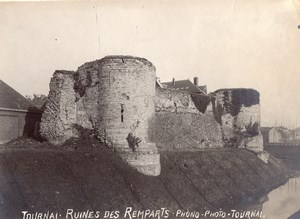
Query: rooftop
185	85
11	99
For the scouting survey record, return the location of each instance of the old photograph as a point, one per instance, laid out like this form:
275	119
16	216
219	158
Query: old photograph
142	109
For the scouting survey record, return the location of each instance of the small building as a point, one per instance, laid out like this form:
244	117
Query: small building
186	85
278	135
18	116
275	136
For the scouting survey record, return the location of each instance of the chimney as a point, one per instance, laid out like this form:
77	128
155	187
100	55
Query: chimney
173	82
196	81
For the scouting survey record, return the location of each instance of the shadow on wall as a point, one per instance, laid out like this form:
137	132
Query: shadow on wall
32	124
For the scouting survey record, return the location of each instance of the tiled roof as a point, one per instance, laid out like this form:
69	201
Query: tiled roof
185	85
11	99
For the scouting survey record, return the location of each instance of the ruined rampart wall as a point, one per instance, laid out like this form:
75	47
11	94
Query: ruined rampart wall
227	117
184	121
117	98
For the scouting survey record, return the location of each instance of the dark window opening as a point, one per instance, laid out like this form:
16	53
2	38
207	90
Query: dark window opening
122	111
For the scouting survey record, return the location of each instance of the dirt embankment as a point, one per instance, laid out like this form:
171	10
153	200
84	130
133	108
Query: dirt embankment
96	179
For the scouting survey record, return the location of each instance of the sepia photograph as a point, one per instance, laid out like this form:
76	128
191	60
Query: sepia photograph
162	109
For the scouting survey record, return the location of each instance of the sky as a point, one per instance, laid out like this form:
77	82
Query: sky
226	44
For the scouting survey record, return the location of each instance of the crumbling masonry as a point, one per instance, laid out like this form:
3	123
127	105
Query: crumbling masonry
117	97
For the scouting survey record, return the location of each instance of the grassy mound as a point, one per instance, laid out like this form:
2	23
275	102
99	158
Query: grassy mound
97	179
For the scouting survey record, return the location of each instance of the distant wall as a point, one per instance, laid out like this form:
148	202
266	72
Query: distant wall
184	121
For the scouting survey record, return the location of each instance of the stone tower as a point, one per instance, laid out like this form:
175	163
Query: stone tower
115	96
125	104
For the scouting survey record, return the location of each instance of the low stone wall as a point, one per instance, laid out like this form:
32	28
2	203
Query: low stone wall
145	163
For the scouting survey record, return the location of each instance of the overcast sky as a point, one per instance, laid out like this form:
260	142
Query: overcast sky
241	43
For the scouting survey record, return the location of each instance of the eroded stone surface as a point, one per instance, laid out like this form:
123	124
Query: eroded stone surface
60	112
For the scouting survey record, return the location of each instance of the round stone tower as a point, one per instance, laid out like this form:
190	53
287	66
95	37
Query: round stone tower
125	105
126	99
